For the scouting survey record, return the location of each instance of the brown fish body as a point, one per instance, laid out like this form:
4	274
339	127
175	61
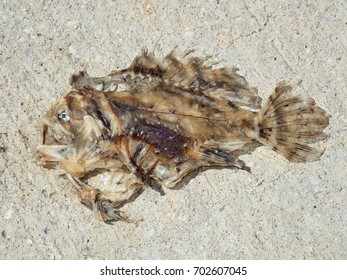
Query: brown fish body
157	121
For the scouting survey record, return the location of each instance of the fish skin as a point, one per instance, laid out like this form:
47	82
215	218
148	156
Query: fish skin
160	120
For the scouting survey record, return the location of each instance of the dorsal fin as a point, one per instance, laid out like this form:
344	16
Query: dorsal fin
196	74
180	73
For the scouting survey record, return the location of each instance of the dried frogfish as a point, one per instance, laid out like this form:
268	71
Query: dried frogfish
160	120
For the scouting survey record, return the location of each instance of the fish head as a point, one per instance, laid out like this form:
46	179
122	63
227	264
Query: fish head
70	128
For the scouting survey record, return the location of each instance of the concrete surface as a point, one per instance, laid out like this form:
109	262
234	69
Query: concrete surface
280	211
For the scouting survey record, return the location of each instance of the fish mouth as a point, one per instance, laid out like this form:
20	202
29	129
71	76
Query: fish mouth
49	156
50	152
47	138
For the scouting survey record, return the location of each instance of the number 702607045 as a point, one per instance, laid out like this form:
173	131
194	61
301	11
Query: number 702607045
225	270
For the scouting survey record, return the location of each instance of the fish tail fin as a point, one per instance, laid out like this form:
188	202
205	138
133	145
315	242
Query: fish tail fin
287	123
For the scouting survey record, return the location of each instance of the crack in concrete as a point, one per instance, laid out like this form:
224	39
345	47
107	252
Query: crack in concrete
260	29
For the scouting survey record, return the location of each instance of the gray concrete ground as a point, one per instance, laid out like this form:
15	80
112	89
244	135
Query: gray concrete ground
279	211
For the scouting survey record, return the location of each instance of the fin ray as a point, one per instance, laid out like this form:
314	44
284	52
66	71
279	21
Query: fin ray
288	123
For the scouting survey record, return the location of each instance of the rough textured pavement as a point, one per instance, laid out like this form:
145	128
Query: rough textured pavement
279	211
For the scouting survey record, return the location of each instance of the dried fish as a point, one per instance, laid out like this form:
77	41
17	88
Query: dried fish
159	120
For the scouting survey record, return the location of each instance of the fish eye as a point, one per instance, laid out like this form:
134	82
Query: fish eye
63	116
